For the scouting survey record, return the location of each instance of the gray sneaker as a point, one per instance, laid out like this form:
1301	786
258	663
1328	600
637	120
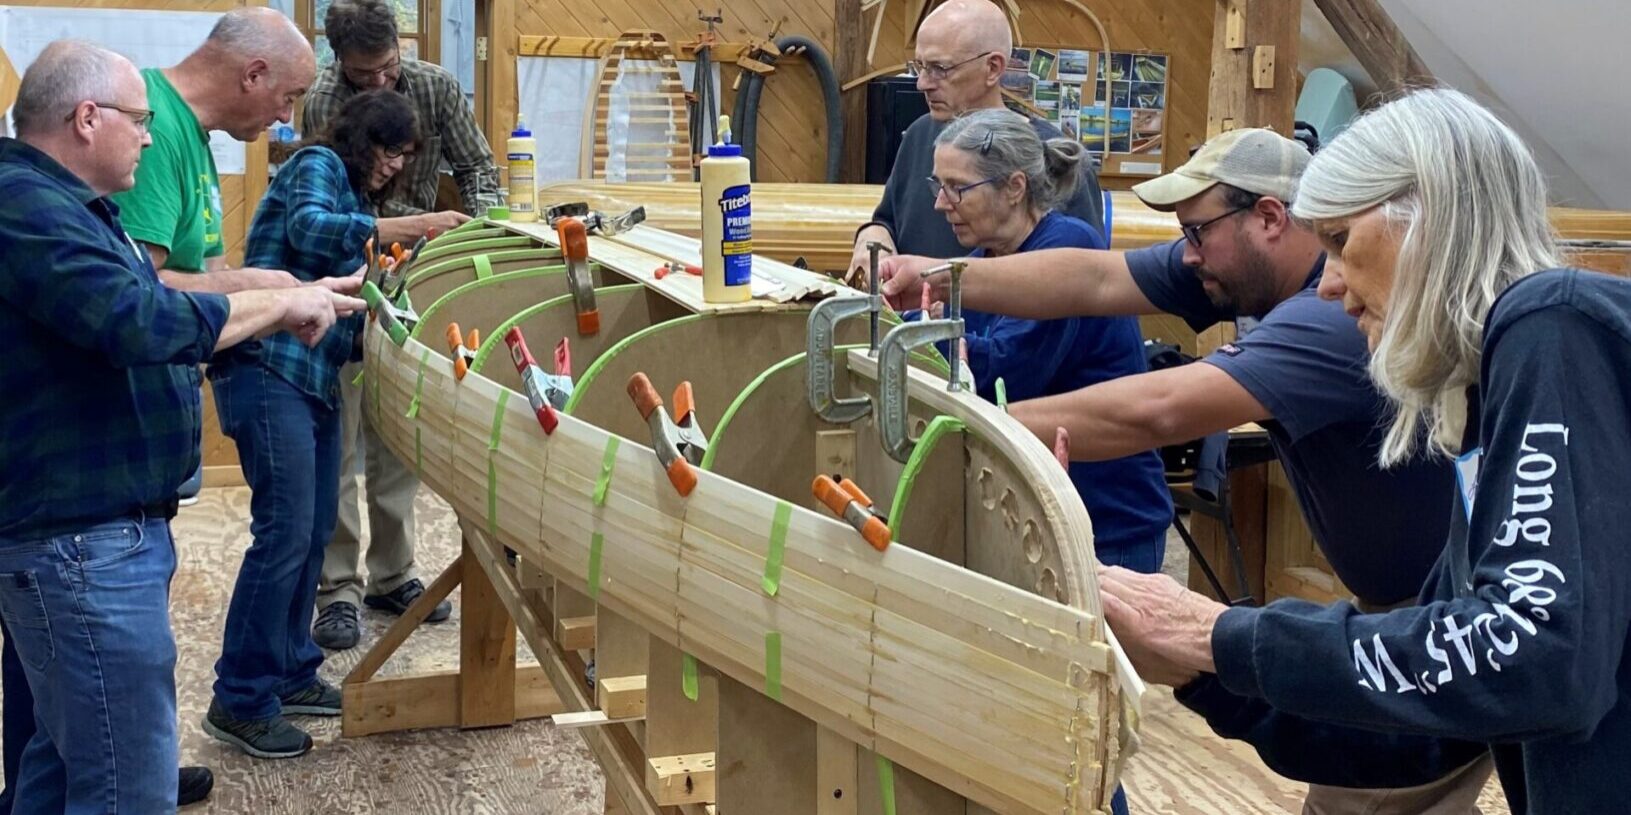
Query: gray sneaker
272	737
397	601
338	627
317	699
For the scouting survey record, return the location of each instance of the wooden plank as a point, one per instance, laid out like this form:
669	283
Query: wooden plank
835	453
575	633
837	779
486	652
622	697
1382	50
1263	67
427	700
849	61
408	622
676	780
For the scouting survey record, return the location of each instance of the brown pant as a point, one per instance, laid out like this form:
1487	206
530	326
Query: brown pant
1454	794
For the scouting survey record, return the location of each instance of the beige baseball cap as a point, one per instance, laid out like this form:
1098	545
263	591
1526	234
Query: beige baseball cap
1255	159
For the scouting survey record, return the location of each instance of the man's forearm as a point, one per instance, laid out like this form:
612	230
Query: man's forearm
1047	284
1105	421
253	314
225	281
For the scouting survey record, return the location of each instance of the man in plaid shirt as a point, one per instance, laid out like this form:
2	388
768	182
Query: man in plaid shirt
101	428
363	34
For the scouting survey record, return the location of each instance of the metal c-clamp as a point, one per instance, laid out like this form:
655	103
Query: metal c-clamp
895	430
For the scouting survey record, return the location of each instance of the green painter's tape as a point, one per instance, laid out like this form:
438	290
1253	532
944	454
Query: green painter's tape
773	665
778	548
1002	394
920	455
374	383
418	387
357	380
596	542
604	482
492	464
484	267
886	785
688	676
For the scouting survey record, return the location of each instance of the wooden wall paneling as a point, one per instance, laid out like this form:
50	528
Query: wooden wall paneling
1292	565
849	61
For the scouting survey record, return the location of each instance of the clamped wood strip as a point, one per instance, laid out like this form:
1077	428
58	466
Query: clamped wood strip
676	445
847	501
531	380
464	350
575	247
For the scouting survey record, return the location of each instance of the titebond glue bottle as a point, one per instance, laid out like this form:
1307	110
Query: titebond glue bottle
727	236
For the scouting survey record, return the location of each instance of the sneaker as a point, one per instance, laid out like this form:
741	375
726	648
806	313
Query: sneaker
318	699
187	502
193	785
397	602
338	627
272	737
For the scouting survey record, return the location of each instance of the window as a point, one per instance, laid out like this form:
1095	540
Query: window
412	17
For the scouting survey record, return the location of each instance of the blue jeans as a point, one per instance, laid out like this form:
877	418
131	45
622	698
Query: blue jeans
1144	555
16	717
289	446
89	615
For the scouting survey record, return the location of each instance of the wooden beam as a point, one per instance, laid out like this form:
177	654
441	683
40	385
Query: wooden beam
1241	96
486	651
850	60
531	45
427	700
676	780
622	697
575	633
1375	41
407	623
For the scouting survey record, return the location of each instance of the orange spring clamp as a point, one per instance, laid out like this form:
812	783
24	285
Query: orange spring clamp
532	380
676	267
575	248
464	350
680	445
846	500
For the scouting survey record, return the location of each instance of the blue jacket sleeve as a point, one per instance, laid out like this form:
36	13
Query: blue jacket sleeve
316	224
1524	639
67	279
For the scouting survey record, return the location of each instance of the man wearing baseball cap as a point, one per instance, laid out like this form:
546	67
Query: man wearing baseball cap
1300	372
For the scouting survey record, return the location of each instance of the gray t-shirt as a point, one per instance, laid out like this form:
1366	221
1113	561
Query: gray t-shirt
1305	362
907	208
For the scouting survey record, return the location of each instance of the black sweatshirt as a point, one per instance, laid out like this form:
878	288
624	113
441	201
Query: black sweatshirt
1520	640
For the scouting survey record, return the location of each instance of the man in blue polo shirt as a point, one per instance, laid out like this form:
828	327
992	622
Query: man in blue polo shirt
101	427
1300	373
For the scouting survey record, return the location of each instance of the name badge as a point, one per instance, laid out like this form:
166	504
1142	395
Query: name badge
1466	478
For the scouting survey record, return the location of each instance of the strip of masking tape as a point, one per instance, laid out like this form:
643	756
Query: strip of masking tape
773	665
1002	395
357	380
772	580
484	267
688	676
604	483
939	426
418	387
492	463
596	543
886	785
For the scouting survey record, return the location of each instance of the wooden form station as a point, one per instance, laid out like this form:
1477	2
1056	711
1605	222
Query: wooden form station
751	652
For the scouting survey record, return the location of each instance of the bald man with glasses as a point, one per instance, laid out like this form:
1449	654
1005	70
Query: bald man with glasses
962	51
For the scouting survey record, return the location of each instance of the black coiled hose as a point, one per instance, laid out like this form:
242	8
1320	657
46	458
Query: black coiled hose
745	114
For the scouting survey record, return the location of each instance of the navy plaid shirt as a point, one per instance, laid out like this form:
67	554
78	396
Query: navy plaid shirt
101	415
313	224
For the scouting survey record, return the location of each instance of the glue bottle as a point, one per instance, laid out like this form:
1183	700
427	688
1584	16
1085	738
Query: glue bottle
522	149
727	237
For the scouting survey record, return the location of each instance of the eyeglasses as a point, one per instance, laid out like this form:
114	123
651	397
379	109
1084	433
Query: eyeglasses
1192	232
939	72
361	75
142	117
955	194
398	152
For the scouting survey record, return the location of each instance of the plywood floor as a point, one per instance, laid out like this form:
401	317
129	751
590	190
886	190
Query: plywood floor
533	768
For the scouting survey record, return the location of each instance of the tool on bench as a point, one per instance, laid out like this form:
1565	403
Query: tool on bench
398	322
545	393
464	351
679	442
846	500
595	222
895	431
676	267
575	247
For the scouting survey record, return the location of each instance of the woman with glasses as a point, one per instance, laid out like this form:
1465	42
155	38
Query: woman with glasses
1493	355
279	401
997	184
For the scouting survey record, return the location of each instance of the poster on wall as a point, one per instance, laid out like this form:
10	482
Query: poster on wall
1042	63
1073	65
1114	101
1133	118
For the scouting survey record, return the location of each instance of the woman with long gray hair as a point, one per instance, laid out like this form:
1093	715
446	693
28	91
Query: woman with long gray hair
1433	214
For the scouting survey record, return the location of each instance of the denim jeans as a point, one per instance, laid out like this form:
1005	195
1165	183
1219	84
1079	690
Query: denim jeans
1139	555
89	615
289	447
17	715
